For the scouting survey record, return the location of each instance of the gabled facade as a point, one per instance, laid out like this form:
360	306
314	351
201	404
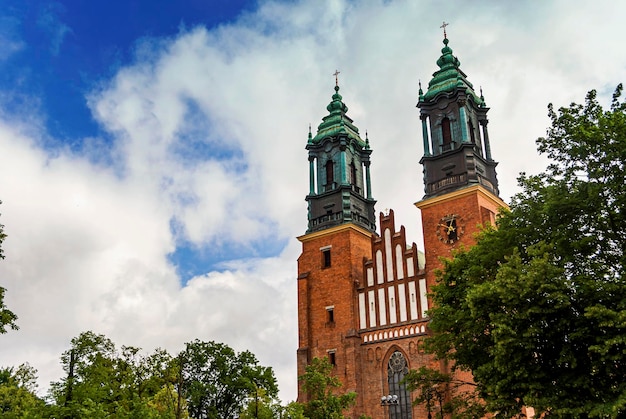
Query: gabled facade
363	295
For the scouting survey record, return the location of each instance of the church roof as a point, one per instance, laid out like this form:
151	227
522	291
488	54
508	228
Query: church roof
337	122
449	78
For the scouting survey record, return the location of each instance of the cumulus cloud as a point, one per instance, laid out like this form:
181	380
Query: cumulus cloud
209	129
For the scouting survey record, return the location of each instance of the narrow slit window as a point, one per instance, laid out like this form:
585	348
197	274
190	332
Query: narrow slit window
326	258
332	358
330	314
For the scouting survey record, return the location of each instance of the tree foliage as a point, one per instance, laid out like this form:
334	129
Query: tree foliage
217	382
537	309
103	382
444	394
206	380
7	317
321	386
17	393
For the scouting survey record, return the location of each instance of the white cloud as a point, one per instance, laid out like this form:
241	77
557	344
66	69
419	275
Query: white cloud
209	130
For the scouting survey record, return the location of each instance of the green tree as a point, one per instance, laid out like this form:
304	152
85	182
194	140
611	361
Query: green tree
443	393
217	382
7	317
321	386
260	406
293	410
17	394
537	308
104	382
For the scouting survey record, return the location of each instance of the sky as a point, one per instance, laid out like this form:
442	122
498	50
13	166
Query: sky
152	153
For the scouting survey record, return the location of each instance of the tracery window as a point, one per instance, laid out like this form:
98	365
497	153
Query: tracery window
397	368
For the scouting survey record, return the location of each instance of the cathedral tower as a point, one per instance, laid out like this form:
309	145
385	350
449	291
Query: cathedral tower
362	295
341	224
339	158
460	184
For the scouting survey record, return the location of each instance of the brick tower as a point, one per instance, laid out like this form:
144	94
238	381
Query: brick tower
339	235
363	295
461	188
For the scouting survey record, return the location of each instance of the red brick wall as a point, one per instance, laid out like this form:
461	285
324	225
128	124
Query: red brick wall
319	288
362	367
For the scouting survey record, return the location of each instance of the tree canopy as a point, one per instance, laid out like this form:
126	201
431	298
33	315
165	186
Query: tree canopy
321	386
205	380
17	393
217	382
537	308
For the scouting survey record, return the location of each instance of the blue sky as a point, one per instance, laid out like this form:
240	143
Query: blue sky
58	52
152	161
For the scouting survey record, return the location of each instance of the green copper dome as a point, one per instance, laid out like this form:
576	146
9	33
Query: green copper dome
449	77
337	122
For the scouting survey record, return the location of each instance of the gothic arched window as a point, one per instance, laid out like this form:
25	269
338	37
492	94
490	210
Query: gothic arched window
446	135
397	368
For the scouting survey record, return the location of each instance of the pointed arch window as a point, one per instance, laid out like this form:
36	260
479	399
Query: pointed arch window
397	368
446	134
330	175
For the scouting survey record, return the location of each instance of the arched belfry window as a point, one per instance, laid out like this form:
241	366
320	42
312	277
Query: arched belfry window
330	175
397	368
446	134
353	177
470	127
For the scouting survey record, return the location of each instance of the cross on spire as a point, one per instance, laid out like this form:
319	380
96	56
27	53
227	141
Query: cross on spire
445	36
336	73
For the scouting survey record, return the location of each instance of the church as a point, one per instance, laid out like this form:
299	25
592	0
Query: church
362	289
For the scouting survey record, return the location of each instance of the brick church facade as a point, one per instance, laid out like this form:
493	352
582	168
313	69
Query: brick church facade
363	292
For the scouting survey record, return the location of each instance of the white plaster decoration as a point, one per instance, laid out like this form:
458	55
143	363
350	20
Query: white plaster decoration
362	312
388	255
372	305
380	276
423	297
382	309
410	270
391	292
370	277
402	302
399	265
413	302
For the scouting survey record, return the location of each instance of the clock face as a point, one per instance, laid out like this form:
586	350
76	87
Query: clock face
450	228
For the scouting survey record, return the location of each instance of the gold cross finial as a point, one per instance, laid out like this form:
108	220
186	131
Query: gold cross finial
336	73
445	36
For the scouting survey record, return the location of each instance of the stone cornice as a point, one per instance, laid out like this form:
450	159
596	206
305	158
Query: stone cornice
334	230
474	189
